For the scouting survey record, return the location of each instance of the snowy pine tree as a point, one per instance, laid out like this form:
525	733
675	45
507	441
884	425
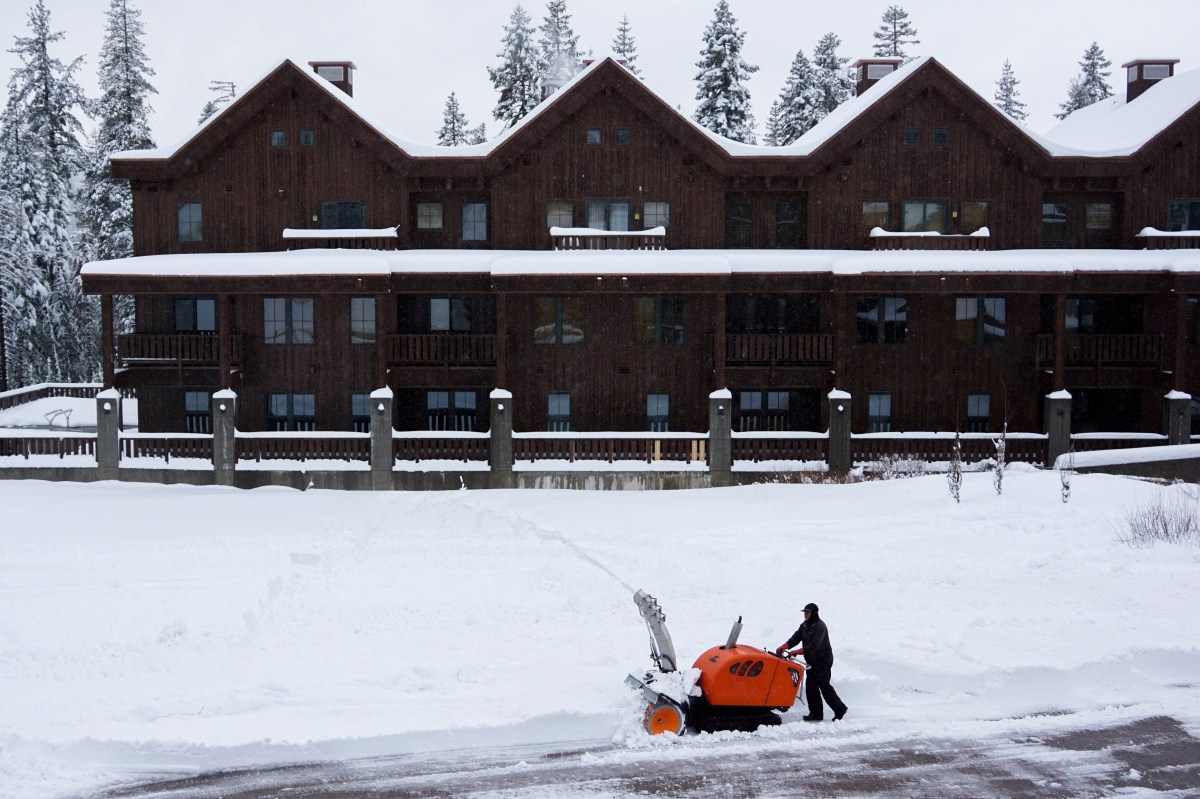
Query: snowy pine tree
833	85
477	135
453	132
1091	85
721	89
771	136
521	66
799	104
893	33
226	91
625	47
1007	95
558	39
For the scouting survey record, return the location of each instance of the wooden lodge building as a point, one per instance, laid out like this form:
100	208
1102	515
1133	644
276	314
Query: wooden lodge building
611	263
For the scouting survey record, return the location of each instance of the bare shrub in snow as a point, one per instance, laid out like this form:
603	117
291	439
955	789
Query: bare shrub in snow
1173	517
895	467
1065	472
954	473
1001	454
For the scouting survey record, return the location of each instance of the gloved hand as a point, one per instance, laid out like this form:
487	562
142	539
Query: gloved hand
779	650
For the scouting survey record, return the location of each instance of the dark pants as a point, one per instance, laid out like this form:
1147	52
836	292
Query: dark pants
817	685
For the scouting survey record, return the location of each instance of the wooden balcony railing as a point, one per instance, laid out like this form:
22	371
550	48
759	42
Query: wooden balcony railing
899	241
589	239
175	348
442	349
1104	349
779	348
1152	239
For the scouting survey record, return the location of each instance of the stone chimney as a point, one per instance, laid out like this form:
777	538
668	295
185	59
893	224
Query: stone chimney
339	73
1143	73
869	71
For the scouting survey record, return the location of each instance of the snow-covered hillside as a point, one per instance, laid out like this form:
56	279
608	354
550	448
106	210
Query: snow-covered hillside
149	628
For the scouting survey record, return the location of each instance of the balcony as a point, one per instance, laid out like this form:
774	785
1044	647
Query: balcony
1154	239
565	238
172	349
779	348
890	240
1103	349
442	349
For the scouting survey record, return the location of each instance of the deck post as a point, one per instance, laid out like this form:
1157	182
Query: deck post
224	427
500	444
840	457
383	453
1058	425
1177	417
108	440
720	438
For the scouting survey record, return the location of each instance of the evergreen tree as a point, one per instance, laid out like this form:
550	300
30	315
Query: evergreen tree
226	91
771	136
833	85
724	98
625	46
558	39
454	124
477	135
799	104
1007	95
893	33
519	73
1091	85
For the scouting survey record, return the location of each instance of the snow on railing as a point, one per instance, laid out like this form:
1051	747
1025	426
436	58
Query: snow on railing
582	238
1156	239
341	233
928	240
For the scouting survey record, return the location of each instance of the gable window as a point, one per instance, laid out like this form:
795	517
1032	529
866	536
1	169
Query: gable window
360	413
739	224
924	216
1183	215
881	320
879	413
622	137
190	218
279	138
941	137
451	410
658	320
593	136
1098	216
343	214
288	320
787	224
308	138
876	214
429	216
979	320
658	413
972	215
560	213
558	413
979	413
763	410
195	315
196	415
608	214
362	320
291	412
1054	222
656	213
911	137
557	320
474	222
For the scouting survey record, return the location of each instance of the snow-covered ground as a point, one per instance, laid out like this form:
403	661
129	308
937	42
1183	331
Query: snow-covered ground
150	629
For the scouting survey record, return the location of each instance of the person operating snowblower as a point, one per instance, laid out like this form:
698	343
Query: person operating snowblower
813	636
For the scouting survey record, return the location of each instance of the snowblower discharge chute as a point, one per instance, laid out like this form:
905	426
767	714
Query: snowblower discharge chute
740	687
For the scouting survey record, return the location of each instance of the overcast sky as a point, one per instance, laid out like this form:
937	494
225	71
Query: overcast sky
412	53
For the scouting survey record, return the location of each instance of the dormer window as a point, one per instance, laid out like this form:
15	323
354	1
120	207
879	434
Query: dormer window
1156	71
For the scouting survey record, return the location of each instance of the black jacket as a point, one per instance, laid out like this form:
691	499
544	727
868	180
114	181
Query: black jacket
813	635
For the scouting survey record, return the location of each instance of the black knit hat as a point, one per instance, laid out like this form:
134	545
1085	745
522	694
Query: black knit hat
811	606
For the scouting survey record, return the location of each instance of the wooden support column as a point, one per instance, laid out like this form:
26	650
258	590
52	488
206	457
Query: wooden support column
1060	342
719	339
500	350
1182	319
107	350
224	342
382	318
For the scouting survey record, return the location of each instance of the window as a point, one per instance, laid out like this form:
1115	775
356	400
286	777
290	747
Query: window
360	413
787	224
279	138
924	216
343	214
879	413
195	315
593	136
1131	74
449	315
739	224
1182	215
288	320
979	320
763	410
429	216
308	138
1054	222
881	320
191	222
877	71
979	413
196	415
972	215
451	410
474	222
1099	216
941	136
608	215
911	137
656	213
658	413
362	320
1081	315
558	413
622	136
560	213
557	320
875	214
333	74
416	314
658	320
291	412
1156	71
773	313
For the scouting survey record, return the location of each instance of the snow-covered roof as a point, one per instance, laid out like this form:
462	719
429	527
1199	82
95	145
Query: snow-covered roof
503	263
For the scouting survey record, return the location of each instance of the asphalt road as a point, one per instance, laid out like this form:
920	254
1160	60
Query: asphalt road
1150	755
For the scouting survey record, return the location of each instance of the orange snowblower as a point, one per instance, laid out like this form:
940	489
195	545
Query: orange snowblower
730	687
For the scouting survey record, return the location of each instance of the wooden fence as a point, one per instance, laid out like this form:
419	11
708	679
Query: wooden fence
25	446
584	447
141	445
329	447
777	448
974	447
465	448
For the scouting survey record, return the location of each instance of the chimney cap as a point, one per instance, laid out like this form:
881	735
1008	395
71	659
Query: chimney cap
1137	62
316	64
893	60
